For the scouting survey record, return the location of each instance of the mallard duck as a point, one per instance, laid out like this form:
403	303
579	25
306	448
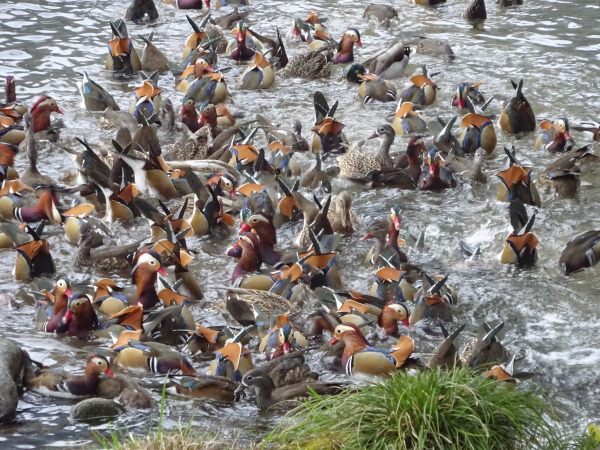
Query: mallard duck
138	9
390	63
311	65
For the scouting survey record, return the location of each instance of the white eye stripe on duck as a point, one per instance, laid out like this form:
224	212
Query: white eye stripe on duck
146	258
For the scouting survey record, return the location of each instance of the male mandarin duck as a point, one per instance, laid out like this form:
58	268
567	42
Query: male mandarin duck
122	56
516	183
198	69
60	298
367	363
407	121
247	270
555	137
39	123
138	9
210	87
486	349
479	132
386	241
393	285
387	317
188	4
521	247
147	100
208	117
242	48
189	114
64	384
412	160
373	88
7	162
426	2
505	372
517	115
258	75
261	224
33	258
282	338
383	13
197	37
80	319
211	387
150	356
446	354
45	208
467	96
580	252
433	304
390	63
94	96
345	51
147	265
268	396
437	179
422	91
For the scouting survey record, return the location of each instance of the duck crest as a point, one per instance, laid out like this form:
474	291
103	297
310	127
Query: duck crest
250	260
144	275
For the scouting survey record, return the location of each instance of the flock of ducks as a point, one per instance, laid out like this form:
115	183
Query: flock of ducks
217	175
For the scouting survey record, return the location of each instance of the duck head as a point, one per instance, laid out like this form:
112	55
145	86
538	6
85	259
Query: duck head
147	266
41	111
97	364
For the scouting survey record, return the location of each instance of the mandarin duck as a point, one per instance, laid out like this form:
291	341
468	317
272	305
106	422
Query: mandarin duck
261	224
80	319
437	178
33	257
31	176
432	304
422	91
138	9
367	363
562	176
282	338
517	115
197	70
373	88
150	356
125	391
516	182
147	264
446	354
467	96
258	75
242	48
210	87
387	317
211	387
257	307
345	50
94	96
65	384
247	270
197	37
407	121
153	60
39	123
555	137
486	349
60	298
521	246
479	132
427	2
147	101
122	56
268	396
476	173
386	241
188	4
328	136
591	127
341	216
45	208
288	138
7	162
412	160
384	14
505	372
580	252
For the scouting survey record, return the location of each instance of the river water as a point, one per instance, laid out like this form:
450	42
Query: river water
551	321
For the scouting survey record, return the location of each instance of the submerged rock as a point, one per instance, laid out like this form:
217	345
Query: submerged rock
14	367
95	409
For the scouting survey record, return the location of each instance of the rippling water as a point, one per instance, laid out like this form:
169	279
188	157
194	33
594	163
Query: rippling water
552	322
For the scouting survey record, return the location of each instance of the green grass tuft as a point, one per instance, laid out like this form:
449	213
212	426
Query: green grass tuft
430	410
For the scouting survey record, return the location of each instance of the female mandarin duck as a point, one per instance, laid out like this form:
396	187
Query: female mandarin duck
147	265
64	384
386	241
467	96
580	252
479	132
487	349
562	176
555	137
368	363
407	121
212	387
517	115
259	75
341	216
267	395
